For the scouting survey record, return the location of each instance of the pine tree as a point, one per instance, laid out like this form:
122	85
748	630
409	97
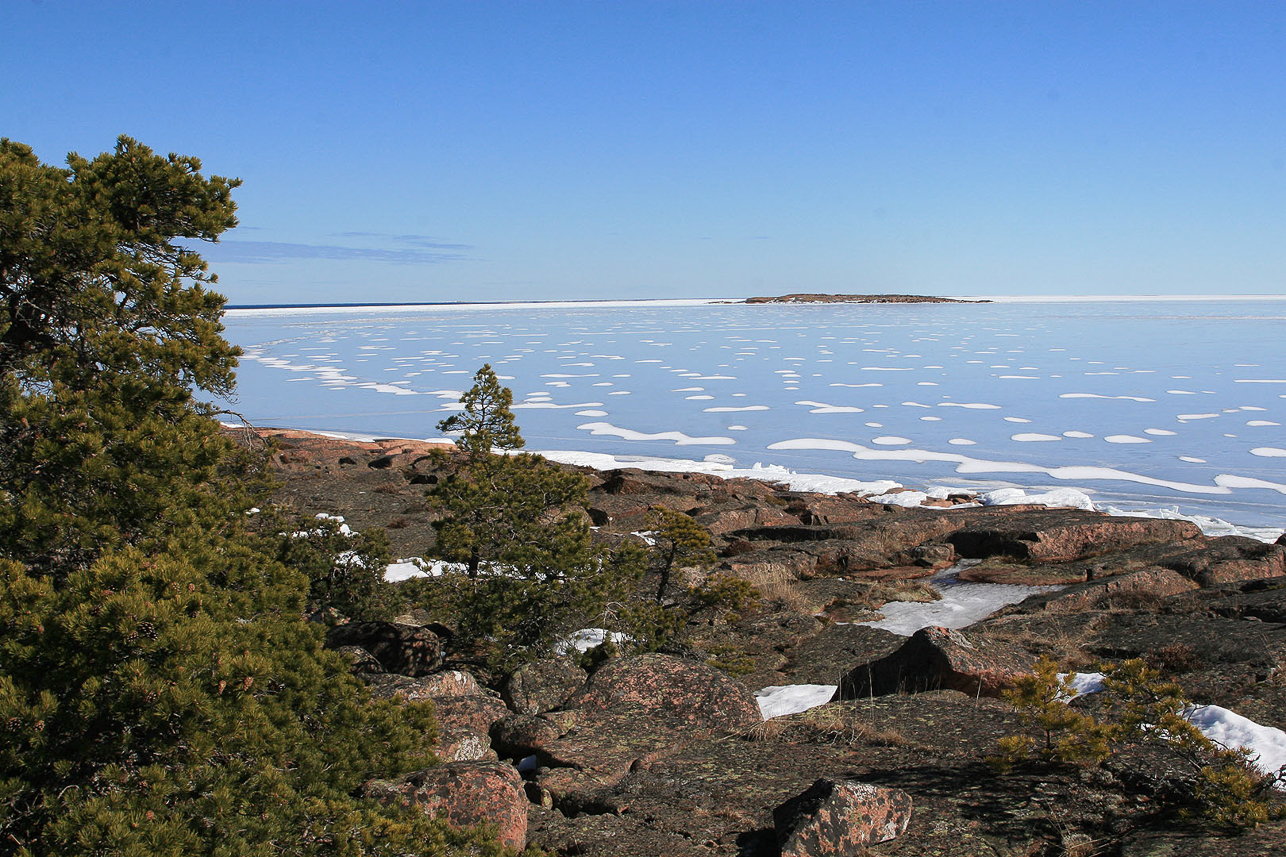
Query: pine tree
518	526
160	691
485	421
106	327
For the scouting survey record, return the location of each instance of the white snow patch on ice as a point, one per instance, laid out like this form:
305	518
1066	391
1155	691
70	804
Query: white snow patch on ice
1098	396
967	464
679	438
550	406
1208	525
823	408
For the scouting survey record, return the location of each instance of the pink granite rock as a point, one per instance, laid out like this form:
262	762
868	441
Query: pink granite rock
840	817
464	794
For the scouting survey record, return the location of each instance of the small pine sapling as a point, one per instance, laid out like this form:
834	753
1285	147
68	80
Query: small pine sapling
680	542
1056	732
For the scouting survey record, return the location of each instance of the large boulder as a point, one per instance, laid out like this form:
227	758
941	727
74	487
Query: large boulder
890	539
464	710
364	663
543	685
1063	535
1231	559
463	794
1264	600
448	683
677	692
517	736
840	817
464	725
939	659
401	649
1147	583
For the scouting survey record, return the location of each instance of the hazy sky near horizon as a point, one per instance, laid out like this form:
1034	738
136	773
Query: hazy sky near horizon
443	151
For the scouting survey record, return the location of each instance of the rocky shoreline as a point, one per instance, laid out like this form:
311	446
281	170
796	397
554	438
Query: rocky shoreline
667	753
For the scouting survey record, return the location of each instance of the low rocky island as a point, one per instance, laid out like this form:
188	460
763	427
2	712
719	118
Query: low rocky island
669	753
859	299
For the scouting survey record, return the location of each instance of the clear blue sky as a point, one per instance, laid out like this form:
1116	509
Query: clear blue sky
492	151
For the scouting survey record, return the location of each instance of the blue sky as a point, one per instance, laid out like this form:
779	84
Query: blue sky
555	150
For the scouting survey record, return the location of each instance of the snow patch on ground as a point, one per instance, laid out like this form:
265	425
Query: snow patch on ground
1068	498
1232	730
907	499
587	638
780	700
960	606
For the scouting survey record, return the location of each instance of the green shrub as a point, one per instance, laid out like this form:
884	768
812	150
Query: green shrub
1138	707
725	594
345	570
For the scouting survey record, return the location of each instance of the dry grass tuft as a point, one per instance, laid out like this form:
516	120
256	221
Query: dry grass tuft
827	724
785	596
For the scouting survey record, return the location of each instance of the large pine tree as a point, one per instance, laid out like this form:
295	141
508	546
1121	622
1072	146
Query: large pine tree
160	692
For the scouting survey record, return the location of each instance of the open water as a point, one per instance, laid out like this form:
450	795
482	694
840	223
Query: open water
1144	405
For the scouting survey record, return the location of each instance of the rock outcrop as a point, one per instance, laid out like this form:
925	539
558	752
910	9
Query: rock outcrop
599	740
667	755
465	711
939	659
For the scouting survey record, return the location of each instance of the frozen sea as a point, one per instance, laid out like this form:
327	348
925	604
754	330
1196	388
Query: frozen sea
1144	405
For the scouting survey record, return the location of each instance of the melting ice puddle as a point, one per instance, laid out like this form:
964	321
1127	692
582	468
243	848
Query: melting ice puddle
961	604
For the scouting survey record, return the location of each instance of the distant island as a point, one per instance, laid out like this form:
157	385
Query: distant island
859	299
